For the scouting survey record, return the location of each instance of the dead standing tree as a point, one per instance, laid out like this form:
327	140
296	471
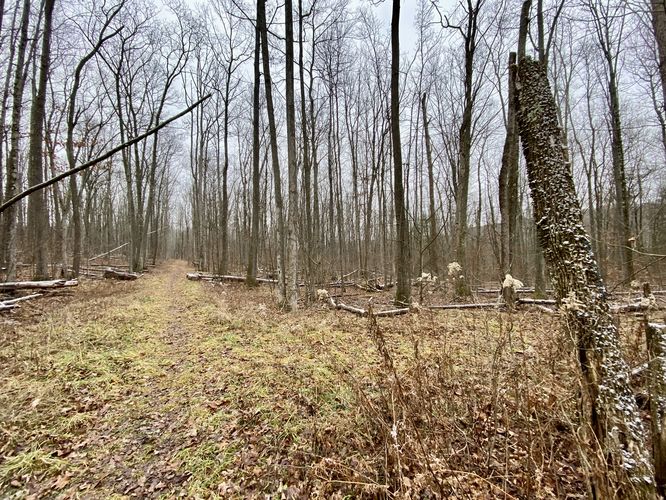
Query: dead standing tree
623	466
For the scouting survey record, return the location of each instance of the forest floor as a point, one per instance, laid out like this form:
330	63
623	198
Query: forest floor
163	388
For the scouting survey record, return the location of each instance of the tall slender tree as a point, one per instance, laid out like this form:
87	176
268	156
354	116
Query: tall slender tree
402	248
37	214
251	275
9	216
291	268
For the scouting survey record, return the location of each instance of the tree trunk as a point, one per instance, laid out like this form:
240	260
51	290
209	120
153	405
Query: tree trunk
69	142
37	213
11	182
625	468
402	254
251	275
272	130
291	298
619	178
659	27
433	243
508	180
656	346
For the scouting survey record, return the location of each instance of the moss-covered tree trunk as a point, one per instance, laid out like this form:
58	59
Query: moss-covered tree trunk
623	468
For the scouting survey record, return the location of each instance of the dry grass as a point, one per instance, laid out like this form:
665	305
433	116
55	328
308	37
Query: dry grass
164	388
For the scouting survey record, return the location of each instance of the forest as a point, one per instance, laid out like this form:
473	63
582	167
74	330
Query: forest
333	249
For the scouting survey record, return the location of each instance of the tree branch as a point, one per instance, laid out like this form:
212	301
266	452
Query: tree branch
99	159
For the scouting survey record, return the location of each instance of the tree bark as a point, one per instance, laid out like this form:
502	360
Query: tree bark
624	467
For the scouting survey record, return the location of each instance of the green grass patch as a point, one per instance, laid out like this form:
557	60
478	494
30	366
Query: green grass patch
205	464
29	463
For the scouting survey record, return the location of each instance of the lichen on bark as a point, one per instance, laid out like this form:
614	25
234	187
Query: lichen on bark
577	281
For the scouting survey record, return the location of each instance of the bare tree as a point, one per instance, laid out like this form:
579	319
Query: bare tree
608	19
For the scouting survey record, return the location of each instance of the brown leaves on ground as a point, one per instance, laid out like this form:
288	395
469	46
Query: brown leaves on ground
165	388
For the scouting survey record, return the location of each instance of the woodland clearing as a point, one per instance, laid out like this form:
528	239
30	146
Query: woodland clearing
164	387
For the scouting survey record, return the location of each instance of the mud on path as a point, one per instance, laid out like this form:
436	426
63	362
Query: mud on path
163	388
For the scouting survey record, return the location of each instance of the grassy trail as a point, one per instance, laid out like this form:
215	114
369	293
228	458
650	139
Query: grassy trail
168	388
158	388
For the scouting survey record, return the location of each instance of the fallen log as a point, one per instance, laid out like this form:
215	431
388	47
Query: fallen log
547	310
217	277
354	310
541	302
7	307
20	299
324	295
498	291
109	252
392	312
102	267
633	307
119	275
481	305
27	285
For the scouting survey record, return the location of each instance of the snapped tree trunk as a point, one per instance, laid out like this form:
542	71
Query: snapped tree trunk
623	469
